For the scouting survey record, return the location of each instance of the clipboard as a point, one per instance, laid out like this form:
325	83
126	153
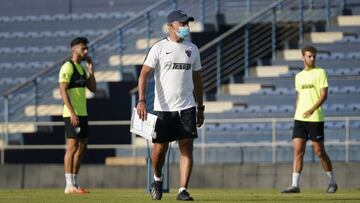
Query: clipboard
145	129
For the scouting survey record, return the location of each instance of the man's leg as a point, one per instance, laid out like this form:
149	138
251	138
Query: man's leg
186	161
319	150
79	154
299	152
299	146
158	159
185	167
71	148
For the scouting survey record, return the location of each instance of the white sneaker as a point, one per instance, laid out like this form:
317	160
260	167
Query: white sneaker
70	190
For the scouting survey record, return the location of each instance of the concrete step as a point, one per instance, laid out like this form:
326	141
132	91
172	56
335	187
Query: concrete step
268	71
44	110
323	37
289	54
142	44
217	106
125	161
240	89
127	59
107	76
348	20
19	127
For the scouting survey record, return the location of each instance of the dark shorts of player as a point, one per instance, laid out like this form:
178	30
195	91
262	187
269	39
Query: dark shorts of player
308	130
175	125
79	132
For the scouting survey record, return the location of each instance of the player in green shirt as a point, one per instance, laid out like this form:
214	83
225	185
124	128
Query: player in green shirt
311	86
73	79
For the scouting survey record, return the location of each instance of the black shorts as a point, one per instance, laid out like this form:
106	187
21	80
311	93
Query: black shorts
175	125
308	130
81	131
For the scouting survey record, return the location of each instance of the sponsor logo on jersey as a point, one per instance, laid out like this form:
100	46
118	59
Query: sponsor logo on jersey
181	66
307	86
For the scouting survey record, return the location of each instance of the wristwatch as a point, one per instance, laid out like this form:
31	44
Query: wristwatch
201	108
141	101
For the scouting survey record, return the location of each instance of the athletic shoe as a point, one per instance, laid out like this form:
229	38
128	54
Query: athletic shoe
82	190
156	190
332	188
184	196
292	189
71	190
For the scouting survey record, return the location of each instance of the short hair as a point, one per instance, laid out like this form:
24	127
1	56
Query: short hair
310	49
79	40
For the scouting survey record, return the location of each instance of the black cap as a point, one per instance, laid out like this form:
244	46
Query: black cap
178	15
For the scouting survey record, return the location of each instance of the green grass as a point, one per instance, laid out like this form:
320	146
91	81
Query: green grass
200	195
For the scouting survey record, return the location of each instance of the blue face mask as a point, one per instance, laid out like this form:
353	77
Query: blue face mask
183	32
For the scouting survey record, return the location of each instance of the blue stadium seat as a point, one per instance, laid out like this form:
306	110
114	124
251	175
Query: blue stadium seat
334	125
355	125
354	107
348	89
287	108
355	71
342	71
270	108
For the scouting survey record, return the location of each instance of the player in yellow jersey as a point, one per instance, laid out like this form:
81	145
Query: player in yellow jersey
311	86
73	79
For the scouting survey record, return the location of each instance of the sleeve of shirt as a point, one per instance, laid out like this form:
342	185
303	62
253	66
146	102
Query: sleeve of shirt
323	82
66	72
297	88
197	62
152	57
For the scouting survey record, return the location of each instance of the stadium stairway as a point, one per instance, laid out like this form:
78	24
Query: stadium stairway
33	42
268	91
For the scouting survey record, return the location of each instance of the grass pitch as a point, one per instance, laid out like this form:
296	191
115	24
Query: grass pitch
200	195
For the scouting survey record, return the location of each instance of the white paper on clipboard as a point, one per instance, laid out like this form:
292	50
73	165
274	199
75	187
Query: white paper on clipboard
145	129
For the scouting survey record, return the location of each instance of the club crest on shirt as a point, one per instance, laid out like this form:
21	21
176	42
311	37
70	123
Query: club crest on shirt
188	52
64	76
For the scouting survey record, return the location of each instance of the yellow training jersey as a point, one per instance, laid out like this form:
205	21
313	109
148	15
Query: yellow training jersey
308	84
77	94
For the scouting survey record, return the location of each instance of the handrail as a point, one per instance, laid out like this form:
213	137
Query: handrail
229	32
43	72
232	30
202	145
217	120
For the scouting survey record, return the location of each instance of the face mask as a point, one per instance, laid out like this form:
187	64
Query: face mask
183	32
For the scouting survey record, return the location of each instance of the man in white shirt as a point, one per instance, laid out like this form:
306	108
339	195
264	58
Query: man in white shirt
176	63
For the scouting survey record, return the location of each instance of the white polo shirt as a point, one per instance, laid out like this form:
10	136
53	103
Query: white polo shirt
173	64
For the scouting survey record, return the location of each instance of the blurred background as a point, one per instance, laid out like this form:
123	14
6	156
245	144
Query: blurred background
250	51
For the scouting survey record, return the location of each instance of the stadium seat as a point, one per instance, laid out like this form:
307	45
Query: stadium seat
270	108
348	89
355	125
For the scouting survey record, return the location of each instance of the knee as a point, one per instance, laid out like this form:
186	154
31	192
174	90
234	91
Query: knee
71	150
299	153
160	150
186	149
81	150
320	153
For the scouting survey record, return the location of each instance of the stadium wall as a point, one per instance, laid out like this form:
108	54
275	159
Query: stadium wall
275	176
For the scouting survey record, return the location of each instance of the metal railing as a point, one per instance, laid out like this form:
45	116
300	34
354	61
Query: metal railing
203	148
112	51
223	58
258	36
